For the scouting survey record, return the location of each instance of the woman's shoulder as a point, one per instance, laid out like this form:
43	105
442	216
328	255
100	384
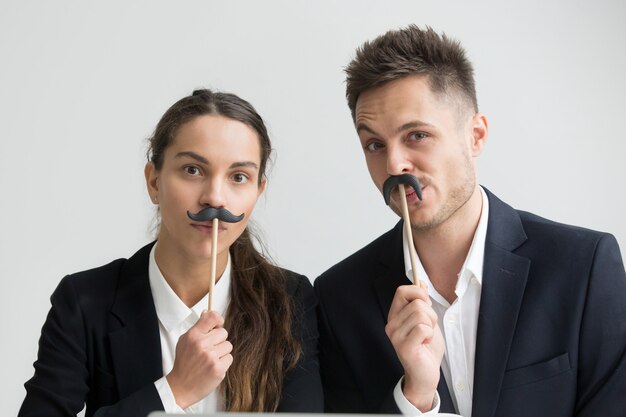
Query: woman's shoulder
99	285
106	276
300	289
294	282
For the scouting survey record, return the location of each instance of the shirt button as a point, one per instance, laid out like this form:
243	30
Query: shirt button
451	318
460	386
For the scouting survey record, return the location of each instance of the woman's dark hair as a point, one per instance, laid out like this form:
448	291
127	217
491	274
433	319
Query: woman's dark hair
260	312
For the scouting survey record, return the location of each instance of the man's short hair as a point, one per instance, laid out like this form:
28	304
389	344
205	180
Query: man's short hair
412	51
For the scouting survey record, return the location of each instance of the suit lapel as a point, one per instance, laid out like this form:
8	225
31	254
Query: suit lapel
392	273
391	276
504	281
136	345
446	405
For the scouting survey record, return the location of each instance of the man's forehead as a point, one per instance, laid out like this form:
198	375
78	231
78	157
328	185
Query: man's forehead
391	98
406	98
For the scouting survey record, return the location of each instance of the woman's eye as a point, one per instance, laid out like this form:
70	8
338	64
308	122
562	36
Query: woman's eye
374	146
192	170
240	178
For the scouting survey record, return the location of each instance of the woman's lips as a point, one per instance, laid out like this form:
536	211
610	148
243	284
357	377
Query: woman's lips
208	227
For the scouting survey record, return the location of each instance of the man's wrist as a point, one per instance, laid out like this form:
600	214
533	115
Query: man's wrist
421	399
424	403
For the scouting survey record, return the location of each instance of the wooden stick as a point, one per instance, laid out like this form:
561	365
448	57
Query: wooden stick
407	232
213	261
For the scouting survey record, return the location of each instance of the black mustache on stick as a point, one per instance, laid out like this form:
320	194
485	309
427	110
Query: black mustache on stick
210	213
393	182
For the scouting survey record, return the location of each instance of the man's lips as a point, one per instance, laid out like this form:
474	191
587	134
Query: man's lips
393	182
411	195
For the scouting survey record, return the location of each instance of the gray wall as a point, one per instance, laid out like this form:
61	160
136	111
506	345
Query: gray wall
82	85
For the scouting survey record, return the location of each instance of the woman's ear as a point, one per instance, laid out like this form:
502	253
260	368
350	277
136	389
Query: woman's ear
262	185
152	182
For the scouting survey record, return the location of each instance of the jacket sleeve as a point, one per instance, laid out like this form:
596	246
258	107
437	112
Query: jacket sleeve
602	357
302	387
64	380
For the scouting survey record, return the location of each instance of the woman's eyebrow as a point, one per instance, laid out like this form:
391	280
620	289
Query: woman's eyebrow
244	164
193	155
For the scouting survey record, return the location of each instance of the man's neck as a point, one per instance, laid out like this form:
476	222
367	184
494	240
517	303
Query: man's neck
442	250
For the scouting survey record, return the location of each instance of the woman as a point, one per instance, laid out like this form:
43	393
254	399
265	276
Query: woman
132	336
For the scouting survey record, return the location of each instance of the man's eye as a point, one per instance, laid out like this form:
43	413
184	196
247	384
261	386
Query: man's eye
192	170
374	146
240	178
418	136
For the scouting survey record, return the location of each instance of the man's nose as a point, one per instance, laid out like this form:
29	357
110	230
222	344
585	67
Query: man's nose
398	161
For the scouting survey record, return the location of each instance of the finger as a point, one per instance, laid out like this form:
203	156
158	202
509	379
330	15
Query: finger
214	337
223	349
227	360
416	307
423	285
222	364
208	321
419	335
411	338
401	329
404	295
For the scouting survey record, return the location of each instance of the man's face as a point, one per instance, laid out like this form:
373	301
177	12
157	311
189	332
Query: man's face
404	128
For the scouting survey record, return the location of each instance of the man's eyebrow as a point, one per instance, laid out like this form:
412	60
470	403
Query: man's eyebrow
363	126
193	155
412	125
244	164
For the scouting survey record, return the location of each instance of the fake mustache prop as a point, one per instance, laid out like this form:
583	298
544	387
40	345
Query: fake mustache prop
211	213
388	186
214	215
396	180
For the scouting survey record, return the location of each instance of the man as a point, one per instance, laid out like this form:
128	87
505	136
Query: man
531	314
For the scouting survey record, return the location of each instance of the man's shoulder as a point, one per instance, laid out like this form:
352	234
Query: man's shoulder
362	261
538	230
536	226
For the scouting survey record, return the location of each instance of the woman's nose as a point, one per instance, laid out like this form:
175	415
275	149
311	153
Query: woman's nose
213	194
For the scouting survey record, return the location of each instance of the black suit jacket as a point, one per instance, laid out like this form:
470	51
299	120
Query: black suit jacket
551	336
100	346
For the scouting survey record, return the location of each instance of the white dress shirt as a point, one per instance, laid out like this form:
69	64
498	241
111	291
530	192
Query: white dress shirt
175	318
458	322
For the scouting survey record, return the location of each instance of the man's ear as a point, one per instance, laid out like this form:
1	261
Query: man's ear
152	181
479	132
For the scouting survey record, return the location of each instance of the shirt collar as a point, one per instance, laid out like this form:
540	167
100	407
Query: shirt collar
171	310
475	257
473	264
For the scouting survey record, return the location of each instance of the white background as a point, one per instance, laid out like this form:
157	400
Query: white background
82	85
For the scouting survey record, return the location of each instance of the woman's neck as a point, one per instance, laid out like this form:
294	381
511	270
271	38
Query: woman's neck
188	276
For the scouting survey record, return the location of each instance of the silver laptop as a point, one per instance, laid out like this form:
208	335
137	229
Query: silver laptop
164	414
224	414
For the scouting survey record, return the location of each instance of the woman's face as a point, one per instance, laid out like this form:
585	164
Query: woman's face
212	161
